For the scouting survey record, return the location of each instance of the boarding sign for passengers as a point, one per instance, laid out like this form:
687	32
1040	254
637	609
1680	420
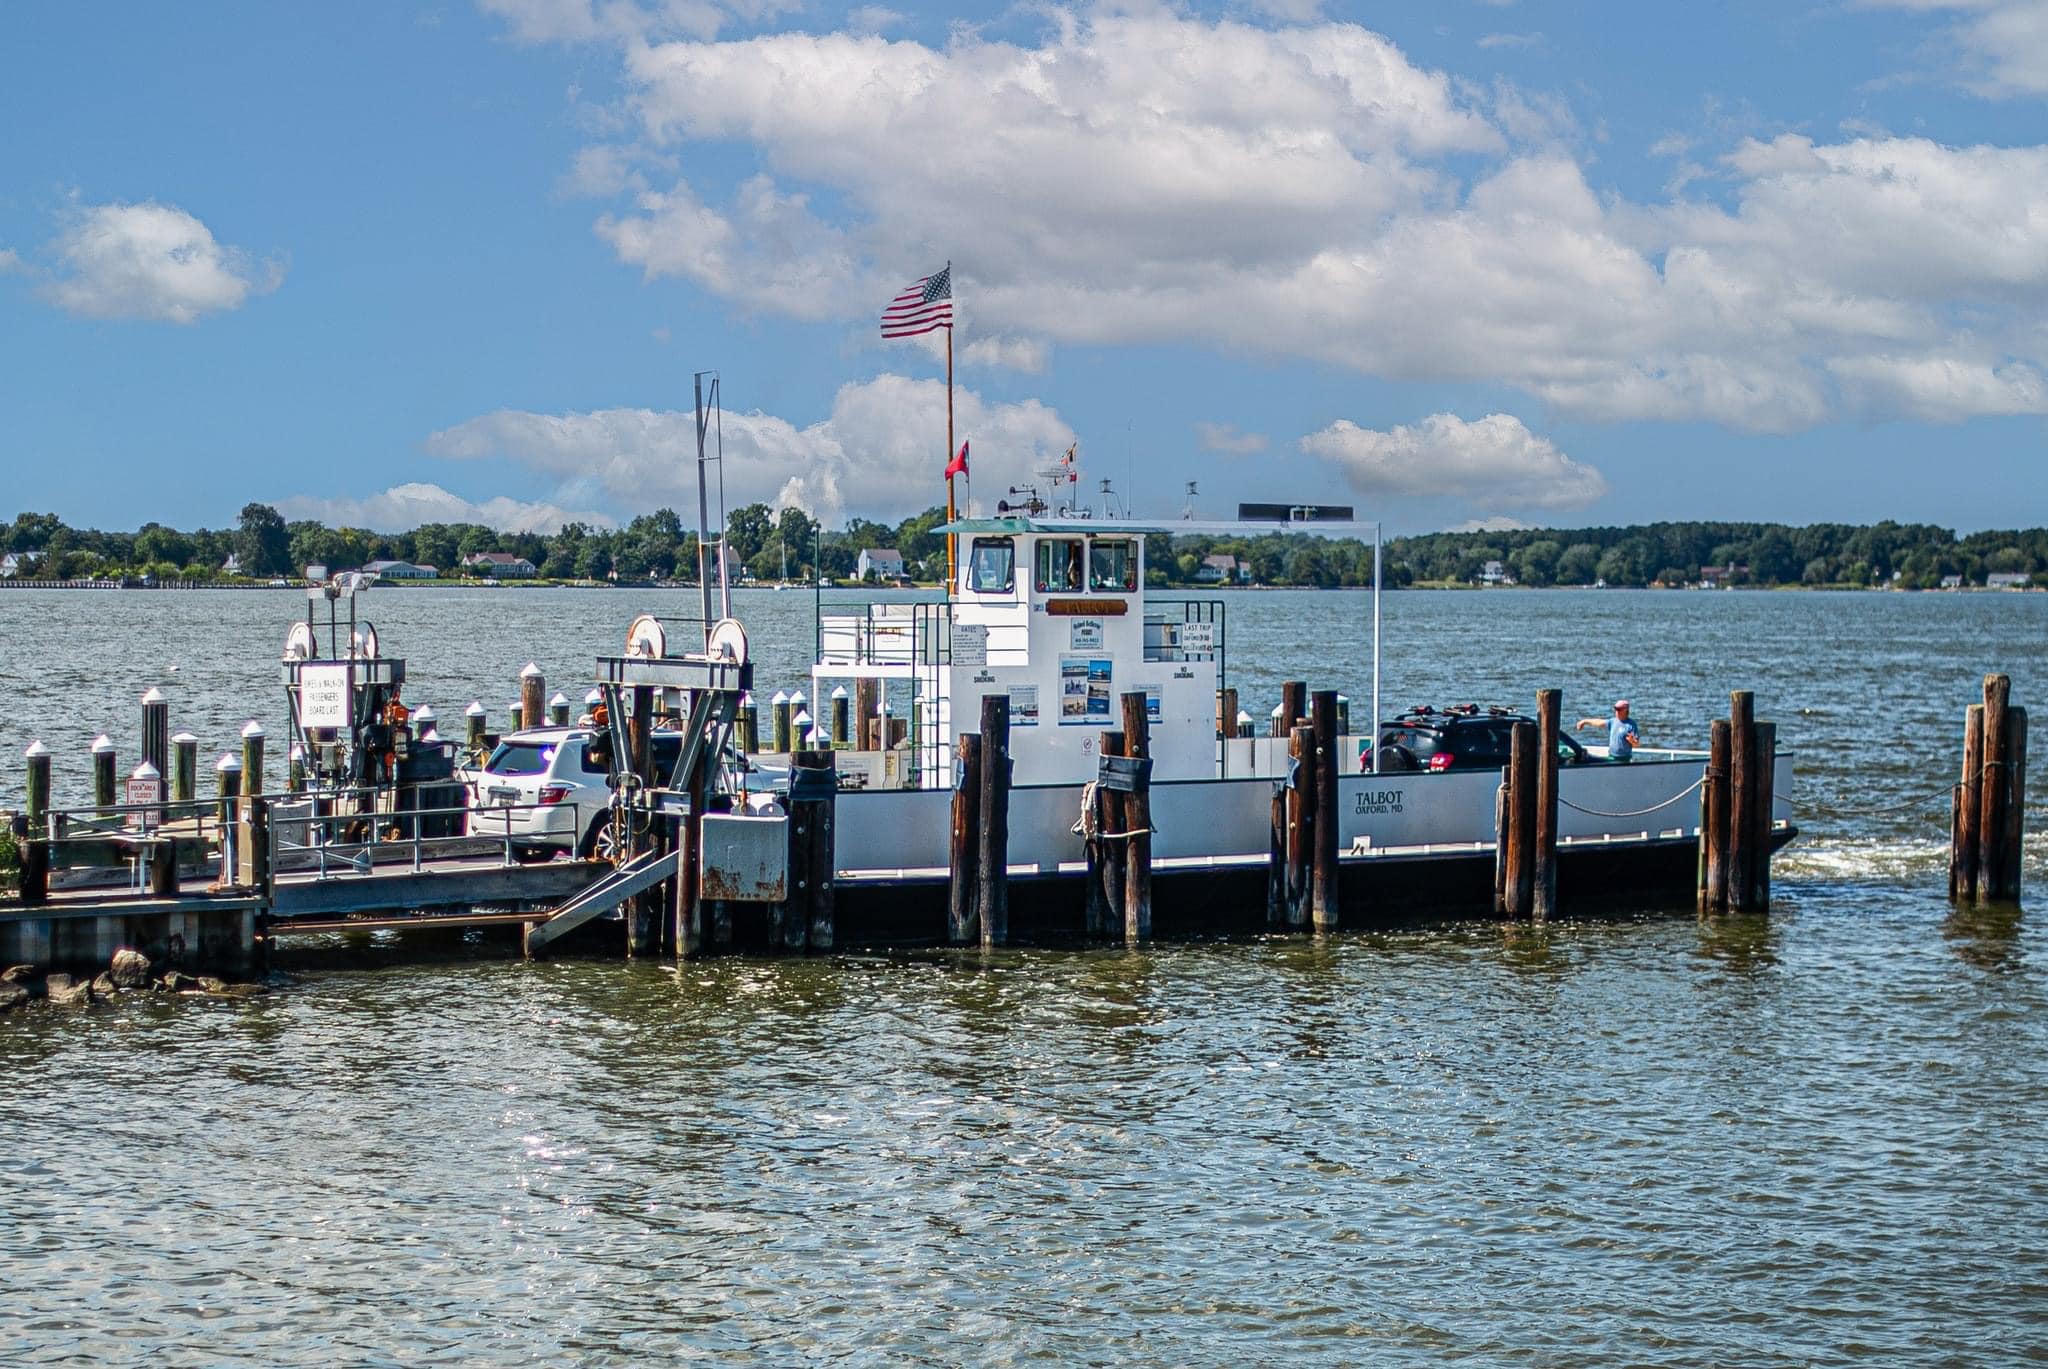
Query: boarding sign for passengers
324	695
970	644
1198	636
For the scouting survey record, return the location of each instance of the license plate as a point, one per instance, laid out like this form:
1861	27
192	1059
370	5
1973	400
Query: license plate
508	797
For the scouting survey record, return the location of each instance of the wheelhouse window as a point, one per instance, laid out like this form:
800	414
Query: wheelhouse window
1059	564
1112	565
991	565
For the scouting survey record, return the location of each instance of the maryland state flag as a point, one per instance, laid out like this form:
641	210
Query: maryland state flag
958	465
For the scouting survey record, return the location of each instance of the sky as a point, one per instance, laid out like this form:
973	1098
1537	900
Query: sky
1463	263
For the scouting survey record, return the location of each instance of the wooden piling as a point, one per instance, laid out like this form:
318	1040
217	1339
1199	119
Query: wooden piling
184	771
558	709
1301	825
1991	790
1522	768
1963	840
1714	808
156	730
963	927
749	726
1761	811
35	849
867	710
842	719
1137	823
1549	729
1106	880
227	775
2013	864
992	869
1293	707
252	758
780	736
477	724
532	696
1741	798
1226	713
104	791
1325	894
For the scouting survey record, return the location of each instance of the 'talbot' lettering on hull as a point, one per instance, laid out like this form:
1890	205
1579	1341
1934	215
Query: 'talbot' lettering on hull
1368	801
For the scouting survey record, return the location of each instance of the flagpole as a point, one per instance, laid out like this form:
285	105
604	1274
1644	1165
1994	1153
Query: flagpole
952	539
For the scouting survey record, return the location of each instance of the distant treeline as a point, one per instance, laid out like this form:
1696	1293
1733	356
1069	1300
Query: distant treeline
774	543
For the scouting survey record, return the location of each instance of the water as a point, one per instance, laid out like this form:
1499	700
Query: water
1810	1138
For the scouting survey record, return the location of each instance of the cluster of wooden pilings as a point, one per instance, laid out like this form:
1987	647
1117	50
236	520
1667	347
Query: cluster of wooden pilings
1525	816
1987	818
1301	872
1737	797
978	883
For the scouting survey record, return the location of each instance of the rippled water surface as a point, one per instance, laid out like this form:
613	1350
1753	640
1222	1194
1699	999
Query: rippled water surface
1804	1139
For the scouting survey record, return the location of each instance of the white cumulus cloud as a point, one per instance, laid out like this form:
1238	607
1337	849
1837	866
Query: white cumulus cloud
1143	176
1494	460
151	261
1224	438
2000	47
882	444
404	507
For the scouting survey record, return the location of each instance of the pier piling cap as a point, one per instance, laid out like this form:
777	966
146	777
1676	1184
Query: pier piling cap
424	716
1243	718
36	750
839	692
145	771
184	739
779	699
152	695
229	763
475	709
1278	709
803	718
252	730
102	744
796	700
594	697
532	671
560	700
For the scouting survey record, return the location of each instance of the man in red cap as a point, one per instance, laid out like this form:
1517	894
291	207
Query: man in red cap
1622	734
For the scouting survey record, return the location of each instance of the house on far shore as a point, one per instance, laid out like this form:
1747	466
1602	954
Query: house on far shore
2007	579
18	563
316	575
1951	582
499	565
231	566
1221	568
400	570
1494	573
885	562
1720	577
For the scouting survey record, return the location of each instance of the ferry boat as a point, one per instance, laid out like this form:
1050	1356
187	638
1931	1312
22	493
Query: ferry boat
1052	614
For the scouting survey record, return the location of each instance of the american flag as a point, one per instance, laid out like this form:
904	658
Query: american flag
923	306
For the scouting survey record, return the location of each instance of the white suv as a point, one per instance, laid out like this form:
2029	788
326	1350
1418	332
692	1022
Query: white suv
557	787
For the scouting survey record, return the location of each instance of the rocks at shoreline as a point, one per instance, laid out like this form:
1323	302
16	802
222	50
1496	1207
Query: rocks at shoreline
128	974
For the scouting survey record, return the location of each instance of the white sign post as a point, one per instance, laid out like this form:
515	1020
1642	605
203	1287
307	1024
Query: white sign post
325	695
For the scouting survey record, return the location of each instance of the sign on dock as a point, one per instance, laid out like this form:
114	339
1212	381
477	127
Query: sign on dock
325	695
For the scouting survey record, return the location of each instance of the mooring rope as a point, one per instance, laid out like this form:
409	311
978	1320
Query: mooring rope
1877	811
1088	826
1634	812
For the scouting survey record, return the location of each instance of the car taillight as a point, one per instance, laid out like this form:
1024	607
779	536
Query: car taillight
553	793
1440	761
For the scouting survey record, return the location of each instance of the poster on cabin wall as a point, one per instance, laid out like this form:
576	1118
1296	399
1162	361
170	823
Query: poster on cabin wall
1084	691
1085	634
1152	692
1024	705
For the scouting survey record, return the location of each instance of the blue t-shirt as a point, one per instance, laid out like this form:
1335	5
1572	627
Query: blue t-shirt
1621	738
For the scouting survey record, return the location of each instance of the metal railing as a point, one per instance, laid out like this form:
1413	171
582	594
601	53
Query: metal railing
343	843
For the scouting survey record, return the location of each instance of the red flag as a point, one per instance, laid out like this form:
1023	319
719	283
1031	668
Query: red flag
958	465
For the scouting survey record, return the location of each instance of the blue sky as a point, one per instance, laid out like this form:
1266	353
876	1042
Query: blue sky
1451	262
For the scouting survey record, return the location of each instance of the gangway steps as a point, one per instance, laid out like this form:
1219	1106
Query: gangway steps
637	876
